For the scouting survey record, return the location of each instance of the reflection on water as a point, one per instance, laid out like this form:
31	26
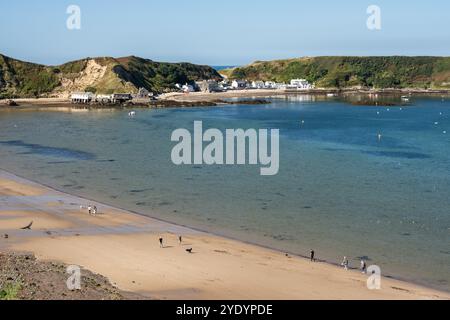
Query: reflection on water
341	190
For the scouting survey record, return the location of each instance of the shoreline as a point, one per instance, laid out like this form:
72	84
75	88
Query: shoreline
178	99
65	233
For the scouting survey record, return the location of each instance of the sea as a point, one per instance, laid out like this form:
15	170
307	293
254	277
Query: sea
368	182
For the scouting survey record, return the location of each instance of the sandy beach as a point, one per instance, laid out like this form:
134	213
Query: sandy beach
37	101
211	96
124	247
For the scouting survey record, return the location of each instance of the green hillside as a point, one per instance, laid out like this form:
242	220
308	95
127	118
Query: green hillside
102	75
159	76
23	78
346	72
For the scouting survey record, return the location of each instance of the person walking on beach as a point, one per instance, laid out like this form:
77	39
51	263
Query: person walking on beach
94	211
90	209
161	245
345	263
180	239
363	266
313	259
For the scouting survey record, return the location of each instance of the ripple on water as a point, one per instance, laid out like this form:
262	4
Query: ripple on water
49	151
398	154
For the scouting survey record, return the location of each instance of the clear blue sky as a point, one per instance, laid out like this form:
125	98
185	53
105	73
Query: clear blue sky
230	32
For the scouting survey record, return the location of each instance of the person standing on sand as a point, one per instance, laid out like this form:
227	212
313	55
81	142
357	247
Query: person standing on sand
161	245
180	239
363	267
312	256
345	263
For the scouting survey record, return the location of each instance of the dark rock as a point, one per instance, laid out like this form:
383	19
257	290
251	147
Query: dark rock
11	103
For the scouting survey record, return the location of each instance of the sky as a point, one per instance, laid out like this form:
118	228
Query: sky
231	32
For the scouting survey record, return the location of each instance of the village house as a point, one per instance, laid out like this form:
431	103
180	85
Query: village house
143	96
239	84
120	97
82	97
270	84
143	93
224	85
300	84
258	85
103	98
208	86
188	88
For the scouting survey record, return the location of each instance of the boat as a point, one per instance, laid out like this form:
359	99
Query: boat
405	98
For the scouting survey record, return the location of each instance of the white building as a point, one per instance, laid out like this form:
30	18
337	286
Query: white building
258	85
224	85
239	84
270	84
82	97
300	84
120	97
188	88
103	98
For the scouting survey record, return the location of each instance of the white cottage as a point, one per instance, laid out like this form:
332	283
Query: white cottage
258	85
300	83
82	97
239	84
188	88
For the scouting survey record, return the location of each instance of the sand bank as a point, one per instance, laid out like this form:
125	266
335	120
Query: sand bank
124	247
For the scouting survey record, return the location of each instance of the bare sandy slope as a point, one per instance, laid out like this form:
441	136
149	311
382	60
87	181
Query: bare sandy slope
124	247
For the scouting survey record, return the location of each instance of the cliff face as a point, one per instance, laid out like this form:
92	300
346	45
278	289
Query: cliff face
346	72
102	75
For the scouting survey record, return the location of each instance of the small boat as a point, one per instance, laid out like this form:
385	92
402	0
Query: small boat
405	98
131	113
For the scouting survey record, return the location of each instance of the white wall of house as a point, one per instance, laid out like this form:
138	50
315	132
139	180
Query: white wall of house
258	85
300	83
188	88
82	97
239	84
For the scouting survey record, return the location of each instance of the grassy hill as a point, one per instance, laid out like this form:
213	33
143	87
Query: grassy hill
347	72
102	75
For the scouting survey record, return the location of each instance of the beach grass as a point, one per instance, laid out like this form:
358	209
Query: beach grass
10	291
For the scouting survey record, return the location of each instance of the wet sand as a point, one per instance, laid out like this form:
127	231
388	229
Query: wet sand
124	247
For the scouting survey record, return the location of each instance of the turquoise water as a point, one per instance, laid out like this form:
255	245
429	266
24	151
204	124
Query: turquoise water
339	191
